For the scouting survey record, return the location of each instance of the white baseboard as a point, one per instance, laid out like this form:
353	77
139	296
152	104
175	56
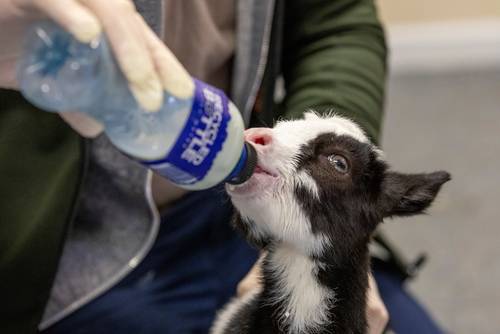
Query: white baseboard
444	46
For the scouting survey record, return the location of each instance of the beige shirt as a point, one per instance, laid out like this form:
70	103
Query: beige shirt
201	33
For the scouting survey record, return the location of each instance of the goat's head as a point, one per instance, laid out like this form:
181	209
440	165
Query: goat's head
321	181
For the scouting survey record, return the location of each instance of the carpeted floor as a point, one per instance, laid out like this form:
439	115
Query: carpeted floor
451	121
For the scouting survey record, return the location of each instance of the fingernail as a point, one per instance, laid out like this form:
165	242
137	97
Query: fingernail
181	87
87	30
176	80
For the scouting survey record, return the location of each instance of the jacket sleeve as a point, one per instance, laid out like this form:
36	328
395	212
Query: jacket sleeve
334	59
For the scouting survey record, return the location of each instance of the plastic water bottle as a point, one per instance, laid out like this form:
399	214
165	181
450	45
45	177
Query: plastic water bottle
196	143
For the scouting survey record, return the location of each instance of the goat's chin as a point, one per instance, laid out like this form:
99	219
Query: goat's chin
258	186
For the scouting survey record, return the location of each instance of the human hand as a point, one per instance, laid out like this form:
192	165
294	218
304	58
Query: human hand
251	280
376	312
144	60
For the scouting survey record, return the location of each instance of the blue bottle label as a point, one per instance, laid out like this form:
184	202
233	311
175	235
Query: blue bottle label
201	139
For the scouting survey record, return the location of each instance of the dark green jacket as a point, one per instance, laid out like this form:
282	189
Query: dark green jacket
331	54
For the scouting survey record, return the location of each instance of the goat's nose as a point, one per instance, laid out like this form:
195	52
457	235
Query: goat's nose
259	136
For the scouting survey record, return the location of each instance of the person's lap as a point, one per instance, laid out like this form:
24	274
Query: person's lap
192	271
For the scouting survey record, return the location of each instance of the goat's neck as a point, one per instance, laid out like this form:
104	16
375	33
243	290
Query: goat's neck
313	295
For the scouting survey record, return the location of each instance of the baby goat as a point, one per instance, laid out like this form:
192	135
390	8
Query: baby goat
318	193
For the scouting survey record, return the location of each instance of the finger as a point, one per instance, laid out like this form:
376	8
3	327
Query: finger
378	317
247	284
242	288
376	312
251	280
118	18
83	124
174	77
73	17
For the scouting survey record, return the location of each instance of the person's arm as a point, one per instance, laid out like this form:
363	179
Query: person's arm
335	60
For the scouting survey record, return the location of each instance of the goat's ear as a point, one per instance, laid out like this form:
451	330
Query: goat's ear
410	194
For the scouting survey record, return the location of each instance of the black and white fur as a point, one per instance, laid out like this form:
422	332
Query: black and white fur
315	220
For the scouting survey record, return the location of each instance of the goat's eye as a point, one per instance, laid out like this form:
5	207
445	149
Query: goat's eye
339	163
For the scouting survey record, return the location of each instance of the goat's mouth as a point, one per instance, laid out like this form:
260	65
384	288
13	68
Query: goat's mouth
261	179
260	170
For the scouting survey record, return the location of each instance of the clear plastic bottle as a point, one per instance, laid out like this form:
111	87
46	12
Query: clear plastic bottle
196	143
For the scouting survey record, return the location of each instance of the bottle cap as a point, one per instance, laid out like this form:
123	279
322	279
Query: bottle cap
246	165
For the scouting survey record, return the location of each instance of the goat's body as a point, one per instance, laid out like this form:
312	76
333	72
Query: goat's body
298	295
318	195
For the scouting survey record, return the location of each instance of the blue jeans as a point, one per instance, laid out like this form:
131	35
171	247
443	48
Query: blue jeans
191	271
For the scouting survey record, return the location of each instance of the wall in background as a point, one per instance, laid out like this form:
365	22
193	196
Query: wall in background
442	109
418	11
442	35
